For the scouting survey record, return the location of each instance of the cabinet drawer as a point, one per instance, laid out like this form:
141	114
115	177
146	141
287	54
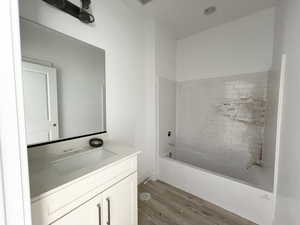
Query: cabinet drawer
76	193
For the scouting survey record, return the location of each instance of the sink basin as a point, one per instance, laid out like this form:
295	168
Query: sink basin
82	160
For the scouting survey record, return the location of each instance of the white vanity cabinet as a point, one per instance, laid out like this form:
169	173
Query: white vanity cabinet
90	213
104	197
120	203
115	206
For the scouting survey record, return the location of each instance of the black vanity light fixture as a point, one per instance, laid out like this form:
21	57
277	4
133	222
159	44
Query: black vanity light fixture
80	13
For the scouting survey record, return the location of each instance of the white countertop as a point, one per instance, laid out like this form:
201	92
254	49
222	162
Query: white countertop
46	178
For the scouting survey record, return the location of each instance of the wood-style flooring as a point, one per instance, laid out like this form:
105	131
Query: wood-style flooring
171	206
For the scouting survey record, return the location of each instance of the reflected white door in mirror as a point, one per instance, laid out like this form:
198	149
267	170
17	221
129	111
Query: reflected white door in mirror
40	99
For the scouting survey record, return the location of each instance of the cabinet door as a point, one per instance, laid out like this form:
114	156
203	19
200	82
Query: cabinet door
90	213
120	203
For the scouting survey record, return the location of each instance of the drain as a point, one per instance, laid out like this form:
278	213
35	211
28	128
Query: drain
145	196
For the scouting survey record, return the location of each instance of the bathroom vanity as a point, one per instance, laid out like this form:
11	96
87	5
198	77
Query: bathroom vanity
87	186
64	100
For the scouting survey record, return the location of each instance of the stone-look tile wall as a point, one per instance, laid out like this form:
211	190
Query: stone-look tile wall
220	122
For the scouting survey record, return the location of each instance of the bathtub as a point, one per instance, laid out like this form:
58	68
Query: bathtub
236	196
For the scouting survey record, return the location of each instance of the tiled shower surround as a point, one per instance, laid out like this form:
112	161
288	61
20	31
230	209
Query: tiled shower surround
220	125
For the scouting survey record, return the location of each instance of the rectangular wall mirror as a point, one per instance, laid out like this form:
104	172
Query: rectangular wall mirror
64	86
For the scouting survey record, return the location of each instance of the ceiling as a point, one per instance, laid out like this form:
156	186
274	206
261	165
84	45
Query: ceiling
186	17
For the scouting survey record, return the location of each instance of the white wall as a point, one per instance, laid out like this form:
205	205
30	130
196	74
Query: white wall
287	41
239	47
150	132
120	32
165	52
165	72
13	156
80	77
